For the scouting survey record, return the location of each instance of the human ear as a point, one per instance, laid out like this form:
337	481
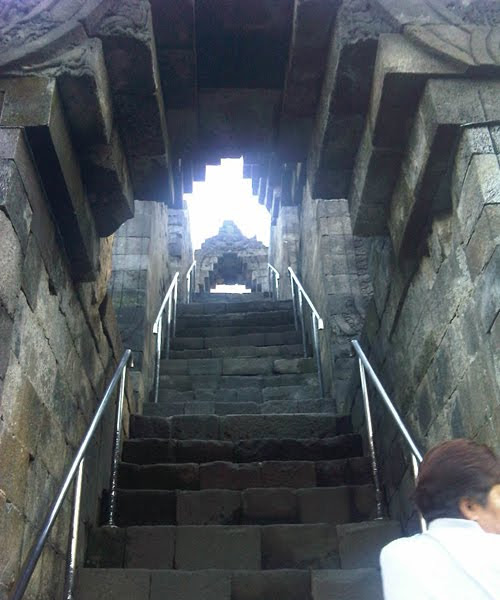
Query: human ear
469	509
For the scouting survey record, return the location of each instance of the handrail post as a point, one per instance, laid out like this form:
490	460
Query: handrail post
317	354
371	445
113	490
169	327
158	357
174	317
302	324
74	534
294	302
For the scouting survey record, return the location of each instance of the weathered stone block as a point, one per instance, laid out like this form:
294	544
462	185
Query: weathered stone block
294	474
209	507
355	583
360	543
195	427
149	547
217	547
106	548
11	264
324	505
299	546
177	585
14	201
230	476
269	506
283	584
112	584
484	239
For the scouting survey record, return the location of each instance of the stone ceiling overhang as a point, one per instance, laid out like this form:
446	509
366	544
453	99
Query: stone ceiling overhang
152	92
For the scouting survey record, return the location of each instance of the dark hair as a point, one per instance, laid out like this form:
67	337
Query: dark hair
454	470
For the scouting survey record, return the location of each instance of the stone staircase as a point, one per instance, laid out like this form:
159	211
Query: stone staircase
240	484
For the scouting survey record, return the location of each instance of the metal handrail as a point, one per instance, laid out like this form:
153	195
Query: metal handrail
294	277
170	303
191	282
76	468
273	278
365	367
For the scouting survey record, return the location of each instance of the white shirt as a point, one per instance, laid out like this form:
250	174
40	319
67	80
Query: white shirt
454	560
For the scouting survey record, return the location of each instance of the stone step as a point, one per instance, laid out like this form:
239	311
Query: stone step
226	331
360	543
240	427
224	475
255	380
214	584
244	393
332	505
346	448
248	339
208	407
235	319
216	298
266	365
245	306
283	351
194	547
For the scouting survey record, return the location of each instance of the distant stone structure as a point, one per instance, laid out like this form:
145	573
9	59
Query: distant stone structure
231	258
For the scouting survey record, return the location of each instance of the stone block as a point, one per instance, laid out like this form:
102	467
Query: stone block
106	548
112	584
148	451
283	584
14	465
294	365
289	474
360	543
150	547
11	525
330	473
178	585
247	366
195	427
201	451
487	292
159	476
10	265
217	547
14	201
230	476
299	547
324	505
269	505
209	507
202	366
149	427
352	583
145	507
484	239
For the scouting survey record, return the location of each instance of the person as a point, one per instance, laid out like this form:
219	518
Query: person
458	557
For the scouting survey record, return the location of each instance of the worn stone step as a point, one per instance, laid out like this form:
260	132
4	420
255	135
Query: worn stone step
210	407
247	306
346	448
240	427
248	339
228	475
234	319
210	584
360	543
229	297
350	584
215	381
238	366
197	547
246	390
237	330
333	505
283	351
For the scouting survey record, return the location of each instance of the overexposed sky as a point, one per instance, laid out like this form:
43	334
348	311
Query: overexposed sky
225	195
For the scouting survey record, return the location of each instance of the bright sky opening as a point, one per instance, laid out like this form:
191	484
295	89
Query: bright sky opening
225	195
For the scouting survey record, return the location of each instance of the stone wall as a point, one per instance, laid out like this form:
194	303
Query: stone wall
432	327
60	345
141	274
284	246
333	272
180	247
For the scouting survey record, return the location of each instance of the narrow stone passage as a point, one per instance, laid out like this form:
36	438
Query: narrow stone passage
240	483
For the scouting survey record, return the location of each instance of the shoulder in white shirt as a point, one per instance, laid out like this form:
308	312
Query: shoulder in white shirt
454	560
